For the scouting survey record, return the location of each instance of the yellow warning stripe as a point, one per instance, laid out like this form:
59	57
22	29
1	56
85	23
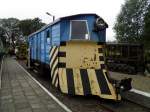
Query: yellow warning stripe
62	59
52	50
54	75
62	48
56	84
77	82
63	80
95	88
54	65
102	62
54	56
100	54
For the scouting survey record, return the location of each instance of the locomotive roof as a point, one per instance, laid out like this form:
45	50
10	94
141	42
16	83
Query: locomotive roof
61	18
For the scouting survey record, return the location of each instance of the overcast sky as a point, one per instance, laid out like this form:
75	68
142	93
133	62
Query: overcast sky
22	9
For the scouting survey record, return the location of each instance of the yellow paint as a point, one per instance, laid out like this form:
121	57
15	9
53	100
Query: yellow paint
51	52
82	55
54	56
102	62
62	48
55	64
63	80
77	82
95	87
54	77
111	88
56	84
101	54
62	59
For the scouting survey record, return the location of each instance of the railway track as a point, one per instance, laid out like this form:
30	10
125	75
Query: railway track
125	106
90	104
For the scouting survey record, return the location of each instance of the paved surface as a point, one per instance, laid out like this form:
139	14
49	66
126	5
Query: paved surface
139	82
19	93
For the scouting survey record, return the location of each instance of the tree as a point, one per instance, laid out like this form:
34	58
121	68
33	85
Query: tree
130	22
9	30
29	26
12	29
2	35
146	33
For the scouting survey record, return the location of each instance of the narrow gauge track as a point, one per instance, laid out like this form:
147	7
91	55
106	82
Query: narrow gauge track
88	104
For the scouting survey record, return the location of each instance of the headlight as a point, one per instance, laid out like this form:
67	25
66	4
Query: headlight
100	24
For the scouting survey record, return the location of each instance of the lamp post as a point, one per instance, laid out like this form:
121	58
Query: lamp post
50	15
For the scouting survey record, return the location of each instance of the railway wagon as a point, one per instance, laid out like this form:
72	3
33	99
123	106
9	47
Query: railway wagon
71	48
125	57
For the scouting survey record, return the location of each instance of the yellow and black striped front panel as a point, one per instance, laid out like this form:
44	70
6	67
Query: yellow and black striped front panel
54	65
82	70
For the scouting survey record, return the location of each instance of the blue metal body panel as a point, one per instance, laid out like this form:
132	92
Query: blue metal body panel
42	47
56	34
39	46
34	47
48	45
60	31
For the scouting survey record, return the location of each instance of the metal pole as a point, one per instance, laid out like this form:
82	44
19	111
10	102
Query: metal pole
53	18
50	15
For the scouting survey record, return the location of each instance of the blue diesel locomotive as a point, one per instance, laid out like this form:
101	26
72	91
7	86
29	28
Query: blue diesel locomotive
71	48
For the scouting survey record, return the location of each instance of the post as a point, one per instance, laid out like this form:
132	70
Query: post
53	18
50	15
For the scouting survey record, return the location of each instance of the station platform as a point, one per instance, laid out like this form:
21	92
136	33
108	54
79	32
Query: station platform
20	93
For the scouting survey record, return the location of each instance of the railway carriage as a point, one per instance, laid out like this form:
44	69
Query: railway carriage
71	49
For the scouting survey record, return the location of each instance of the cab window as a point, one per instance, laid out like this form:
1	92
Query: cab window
79	29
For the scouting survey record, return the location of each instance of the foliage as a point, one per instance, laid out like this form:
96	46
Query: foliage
22	51
9	31
129	26
13	30
2	35
29	26
146	33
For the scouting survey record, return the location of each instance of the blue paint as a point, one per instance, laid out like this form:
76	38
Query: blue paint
42	47
48	44
39	46
56	35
